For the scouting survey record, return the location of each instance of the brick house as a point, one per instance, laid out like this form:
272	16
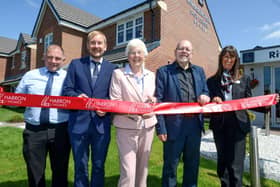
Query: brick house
16	57
68	26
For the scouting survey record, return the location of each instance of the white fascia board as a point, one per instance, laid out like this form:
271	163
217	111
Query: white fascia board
71	25
118	18
15	52
40	19
126	15
4	55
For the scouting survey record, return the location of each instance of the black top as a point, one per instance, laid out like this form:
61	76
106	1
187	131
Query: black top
185	79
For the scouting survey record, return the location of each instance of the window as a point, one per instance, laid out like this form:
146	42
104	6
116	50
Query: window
248	57
23	59
48	41
130	29
13	62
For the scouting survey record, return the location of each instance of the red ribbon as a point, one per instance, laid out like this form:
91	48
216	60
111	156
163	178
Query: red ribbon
76	103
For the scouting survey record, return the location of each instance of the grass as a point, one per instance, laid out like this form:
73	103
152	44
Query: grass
13	171
11	114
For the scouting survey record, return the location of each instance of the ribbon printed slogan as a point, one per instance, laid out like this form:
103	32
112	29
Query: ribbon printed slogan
76	103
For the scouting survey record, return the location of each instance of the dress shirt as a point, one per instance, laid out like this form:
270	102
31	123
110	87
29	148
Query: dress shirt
34	82
185	79
139	81
92	66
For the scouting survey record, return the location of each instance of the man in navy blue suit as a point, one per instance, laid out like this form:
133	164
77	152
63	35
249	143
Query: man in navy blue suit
89	130
181	81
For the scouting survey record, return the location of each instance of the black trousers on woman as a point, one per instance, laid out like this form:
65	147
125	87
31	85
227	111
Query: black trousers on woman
230	143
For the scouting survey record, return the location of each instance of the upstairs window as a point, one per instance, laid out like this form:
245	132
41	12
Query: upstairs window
130	29
48	40
23	59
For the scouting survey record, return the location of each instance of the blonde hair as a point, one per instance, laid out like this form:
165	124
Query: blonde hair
92	34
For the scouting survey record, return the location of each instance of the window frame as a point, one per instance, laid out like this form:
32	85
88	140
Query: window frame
48	40
125	28
23	58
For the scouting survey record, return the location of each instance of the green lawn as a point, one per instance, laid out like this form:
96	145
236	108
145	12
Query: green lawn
14	114
13	171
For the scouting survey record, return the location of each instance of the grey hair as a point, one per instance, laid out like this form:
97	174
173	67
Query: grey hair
136	43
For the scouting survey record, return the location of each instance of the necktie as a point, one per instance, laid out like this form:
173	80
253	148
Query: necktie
95	72
45	112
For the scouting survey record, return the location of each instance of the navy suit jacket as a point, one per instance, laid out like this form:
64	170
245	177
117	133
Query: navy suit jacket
239	90
168	90
78	81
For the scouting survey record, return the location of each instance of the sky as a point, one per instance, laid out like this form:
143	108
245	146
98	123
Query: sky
242	23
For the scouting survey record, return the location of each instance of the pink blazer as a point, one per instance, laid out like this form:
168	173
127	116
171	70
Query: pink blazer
124	88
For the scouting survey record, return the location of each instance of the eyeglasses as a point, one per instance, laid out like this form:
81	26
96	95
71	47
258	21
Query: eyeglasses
184	49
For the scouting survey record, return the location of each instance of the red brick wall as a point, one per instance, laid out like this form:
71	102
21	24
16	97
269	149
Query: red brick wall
11	72
48	25
33	53
177	24
148	24
3	64
73	43
110	33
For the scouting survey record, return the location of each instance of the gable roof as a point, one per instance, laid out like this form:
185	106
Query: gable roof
73	14
65	14
27	39
7	46
24	39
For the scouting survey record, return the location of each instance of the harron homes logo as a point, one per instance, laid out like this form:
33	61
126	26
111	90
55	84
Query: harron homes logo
12	99
90	104
45	101
55	102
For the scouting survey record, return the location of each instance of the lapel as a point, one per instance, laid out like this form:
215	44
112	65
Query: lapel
175	78
236	89
218	84
86	69
196	80
134	86
147	83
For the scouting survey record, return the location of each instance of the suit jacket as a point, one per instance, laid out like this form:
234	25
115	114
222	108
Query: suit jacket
78	81
168	90
124	88
239	90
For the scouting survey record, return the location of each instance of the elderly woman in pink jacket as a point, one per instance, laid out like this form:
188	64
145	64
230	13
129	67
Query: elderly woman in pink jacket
134	132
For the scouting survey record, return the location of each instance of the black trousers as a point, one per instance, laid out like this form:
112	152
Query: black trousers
230	143
40	140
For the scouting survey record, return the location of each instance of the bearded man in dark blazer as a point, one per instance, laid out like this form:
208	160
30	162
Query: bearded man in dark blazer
181	81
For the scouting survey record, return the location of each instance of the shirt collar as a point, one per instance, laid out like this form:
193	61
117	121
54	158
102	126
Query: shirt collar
58	72
180	68
128	71
101	59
